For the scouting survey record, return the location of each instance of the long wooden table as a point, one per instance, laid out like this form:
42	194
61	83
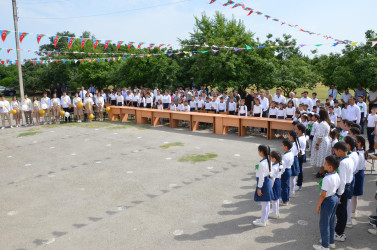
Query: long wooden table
220	122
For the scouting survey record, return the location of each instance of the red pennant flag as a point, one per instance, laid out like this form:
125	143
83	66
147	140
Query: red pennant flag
151	45
39	37
2	62
40	52
4	34
119	44
49	53
22	36
95	43
83	41
57	53
71	40
251	12
162	44
55	39
7	61
9	50
139	45
130	44
107	43
212	1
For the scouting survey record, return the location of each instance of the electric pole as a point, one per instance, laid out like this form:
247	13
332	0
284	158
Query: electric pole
15	18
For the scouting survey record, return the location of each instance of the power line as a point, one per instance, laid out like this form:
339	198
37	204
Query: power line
109	13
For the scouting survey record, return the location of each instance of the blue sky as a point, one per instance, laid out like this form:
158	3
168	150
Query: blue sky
345	19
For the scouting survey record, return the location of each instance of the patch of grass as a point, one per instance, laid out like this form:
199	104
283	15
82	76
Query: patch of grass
198	158
82	125
143	127
119	127
28	133
33	129
173	144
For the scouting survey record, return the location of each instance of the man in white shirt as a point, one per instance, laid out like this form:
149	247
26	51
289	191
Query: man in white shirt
372	98
345	96
333	92
264	103
65	101
306	100
353	112
292	97
5	112
27	107
103	94
82	93
278	98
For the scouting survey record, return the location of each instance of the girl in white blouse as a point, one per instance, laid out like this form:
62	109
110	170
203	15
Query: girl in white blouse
290	110
232	106
15	105
200	103
36	108
172	106
141	101
273	110
257	109
100	103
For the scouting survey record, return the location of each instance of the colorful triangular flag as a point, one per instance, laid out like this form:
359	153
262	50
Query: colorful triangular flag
22	35
4	34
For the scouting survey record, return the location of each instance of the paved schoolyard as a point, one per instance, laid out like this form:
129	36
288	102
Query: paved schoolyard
112	187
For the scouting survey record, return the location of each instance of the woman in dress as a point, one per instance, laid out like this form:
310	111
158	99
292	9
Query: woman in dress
76	109
15	105
88	103
321	146
100	103
36	108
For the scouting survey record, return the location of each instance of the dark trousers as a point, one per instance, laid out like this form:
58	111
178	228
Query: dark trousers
264	114
285	178
327	220
370	138
362	123
65	118
300	177
341	212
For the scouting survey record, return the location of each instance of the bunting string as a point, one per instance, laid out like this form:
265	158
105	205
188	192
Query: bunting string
250	11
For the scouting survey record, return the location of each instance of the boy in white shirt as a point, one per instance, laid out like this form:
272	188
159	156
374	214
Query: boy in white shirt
193	104
5	112
327	203
214	104
221	107
242	110
232	106
200	103
337	109
186	107
172	106
371	127
332	116
207	105
363	109
288	159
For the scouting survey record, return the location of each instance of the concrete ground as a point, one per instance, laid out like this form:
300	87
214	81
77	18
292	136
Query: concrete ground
108	186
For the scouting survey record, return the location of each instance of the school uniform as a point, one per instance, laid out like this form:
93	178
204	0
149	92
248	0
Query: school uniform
36	108
221	107
346	175
192	105
302	145
295	166
135	99
141	102
186	108
66	102
343	134
232	107
359	176
288	159
166	100
200	104
272	112
330	185
275	174
88	103
119	101
27	112
156	98
338	111
148	102
15	105
371	125
181	107
280	113
207	106
76	110
100	104
113	99
257	110
173	107
5	113
264	184
333	119
128	99
214	105
355	159
290	112
242	111
160	106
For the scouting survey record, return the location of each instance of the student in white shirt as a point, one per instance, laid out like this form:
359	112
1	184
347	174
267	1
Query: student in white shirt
301	131
46	106
306	100
207	104
297	117
280	113
242	110
128	98
157	97
88	104
200	103
264	103
273	110
331	101
314	99
181	106
186	107
332	116
36	109
214	104
192	104
275	174
148	101
371	128
172	106
159	105
78	112
5	112
337	109
135	99
290	111
65	102
27	107
257	109
15	105
346	176
363	112
166	100
353	111
232	106
328	203
221	107
288	159
112	99
55	103
103	94
100	105
119	99
278	97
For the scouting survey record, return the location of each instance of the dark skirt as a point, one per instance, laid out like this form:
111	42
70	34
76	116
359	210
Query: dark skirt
295	167
113	102
149	105
352	187
256	115
232	112
192	109
243	114
289	116
165	105
276	189
221	111
134	104
120	104
281	117
359	183
141	105
266	191
272	116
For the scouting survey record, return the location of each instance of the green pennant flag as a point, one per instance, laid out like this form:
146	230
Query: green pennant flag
318	45
204	51
248	47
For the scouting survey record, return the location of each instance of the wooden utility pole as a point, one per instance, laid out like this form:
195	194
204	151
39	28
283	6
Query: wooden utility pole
15	18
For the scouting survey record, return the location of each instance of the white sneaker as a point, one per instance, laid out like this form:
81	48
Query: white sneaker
2	127
297	188
272	216
50	123
340	238
332	246
259	224
284	204
11	126
319	247
257	220
354	215
372	231
349	225
293	195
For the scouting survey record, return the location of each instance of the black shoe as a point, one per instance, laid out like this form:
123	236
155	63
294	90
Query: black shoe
373	223
373	217
370	151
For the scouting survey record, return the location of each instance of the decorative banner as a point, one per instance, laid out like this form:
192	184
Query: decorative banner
55	39
107	43
374	43
162	44
95	43
71	40
129	45
83	41
151	45
139	45
9	50
119	44
4	34
250	11
39	37
22	35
